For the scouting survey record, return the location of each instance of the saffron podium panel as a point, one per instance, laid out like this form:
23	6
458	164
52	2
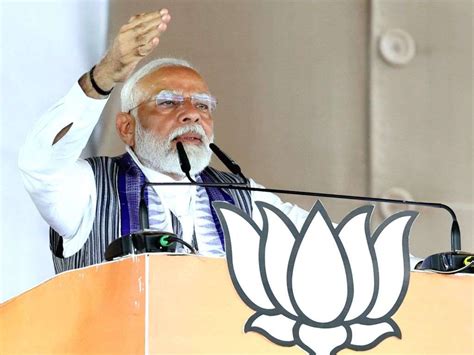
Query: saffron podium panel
160	304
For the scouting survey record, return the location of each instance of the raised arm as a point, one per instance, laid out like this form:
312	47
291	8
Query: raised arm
60	183
135	40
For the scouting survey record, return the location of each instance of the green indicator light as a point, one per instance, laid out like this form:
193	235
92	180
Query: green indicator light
468	260
164	241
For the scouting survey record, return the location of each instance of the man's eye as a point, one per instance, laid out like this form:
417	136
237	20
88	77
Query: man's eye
202	106
167	103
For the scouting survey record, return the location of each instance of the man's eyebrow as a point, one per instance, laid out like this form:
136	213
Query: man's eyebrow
202	94
169	92
174	92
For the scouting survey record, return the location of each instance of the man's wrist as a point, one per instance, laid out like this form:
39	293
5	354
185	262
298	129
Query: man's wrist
96	86
102	77
101	80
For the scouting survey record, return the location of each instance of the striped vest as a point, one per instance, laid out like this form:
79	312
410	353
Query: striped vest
106	226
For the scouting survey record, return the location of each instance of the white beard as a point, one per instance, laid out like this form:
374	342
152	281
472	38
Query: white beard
158	153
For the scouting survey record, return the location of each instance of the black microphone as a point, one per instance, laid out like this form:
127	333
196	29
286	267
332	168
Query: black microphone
228	162
444	262
184	161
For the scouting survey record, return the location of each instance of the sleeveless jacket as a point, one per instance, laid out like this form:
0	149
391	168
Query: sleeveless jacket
106	227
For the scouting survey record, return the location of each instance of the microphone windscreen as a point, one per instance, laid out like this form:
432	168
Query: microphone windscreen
183	158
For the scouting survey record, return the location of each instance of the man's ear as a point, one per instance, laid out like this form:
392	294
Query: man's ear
125	125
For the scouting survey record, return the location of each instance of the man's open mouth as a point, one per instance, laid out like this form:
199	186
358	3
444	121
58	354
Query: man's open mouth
190	138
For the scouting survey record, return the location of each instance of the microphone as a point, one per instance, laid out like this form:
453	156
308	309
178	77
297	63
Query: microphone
228	162
447	262
184	161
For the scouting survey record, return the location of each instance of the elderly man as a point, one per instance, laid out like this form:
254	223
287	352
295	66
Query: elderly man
89	203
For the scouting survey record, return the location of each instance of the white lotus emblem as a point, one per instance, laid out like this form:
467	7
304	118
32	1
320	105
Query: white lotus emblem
321	288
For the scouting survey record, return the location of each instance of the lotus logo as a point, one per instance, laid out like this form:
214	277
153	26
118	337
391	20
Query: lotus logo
322	288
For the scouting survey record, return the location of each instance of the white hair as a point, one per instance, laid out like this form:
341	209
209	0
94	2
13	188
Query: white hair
129	96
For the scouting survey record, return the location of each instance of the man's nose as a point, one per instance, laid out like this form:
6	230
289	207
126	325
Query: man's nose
190	113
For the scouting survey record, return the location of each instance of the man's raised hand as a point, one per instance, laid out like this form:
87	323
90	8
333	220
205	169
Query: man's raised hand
135	40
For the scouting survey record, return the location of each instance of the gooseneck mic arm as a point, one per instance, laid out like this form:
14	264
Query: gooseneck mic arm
228	162
455	232
234	167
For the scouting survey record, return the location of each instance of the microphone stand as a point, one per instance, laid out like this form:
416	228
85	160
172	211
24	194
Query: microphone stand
455	231
445	262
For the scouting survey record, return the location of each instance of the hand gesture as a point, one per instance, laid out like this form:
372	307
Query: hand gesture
135	40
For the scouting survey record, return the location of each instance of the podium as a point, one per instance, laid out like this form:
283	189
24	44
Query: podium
162	304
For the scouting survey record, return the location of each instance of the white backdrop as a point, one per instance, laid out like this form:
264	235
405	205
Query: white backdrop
45	46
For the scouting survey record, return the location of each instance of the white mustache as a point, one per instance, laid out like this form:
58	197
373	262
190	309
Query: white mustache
194	128
159	153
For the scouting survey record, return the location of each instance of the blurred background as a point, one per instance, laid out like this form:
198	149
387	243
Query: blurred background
366	97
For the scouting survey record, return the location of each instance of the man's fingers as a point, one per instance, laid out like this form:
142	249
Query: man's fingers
147	47
143	20
133	57
150	35
134	17
166	18
137	53
145	16
137	46
144	29
135	40
141	39
138	33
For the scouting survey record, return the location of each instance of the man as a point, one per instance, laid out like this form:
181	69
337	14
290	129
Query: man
89	203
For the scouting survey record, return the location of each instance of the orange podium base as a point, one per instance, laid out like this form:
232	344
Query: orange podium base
163	304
